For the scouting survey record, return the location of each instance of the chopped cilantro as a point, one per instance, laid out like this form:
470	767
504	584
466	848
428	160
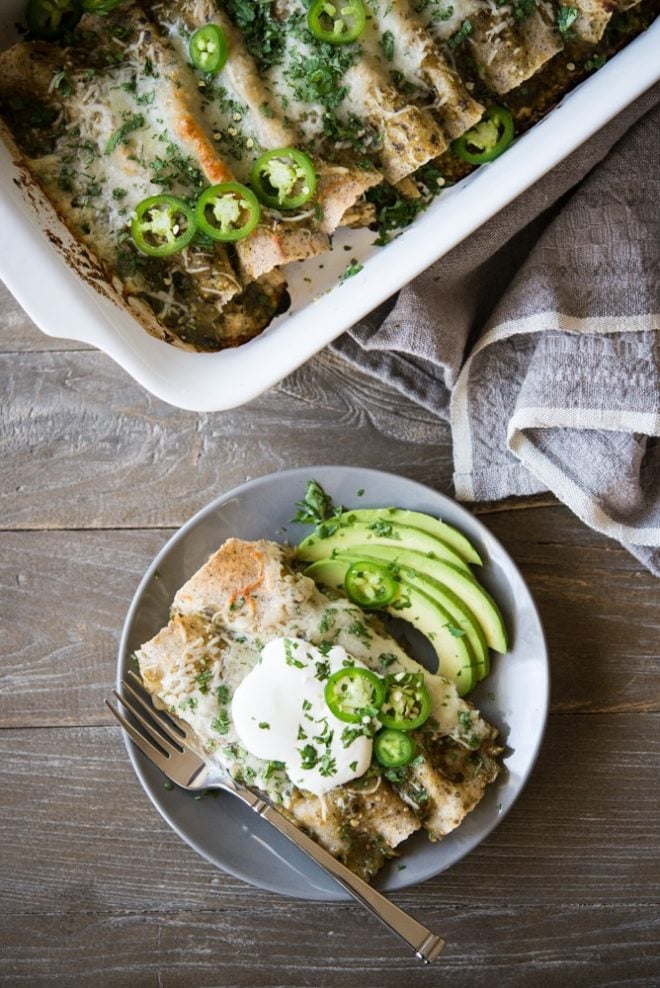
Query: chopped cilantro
522	9
263	32
595	62
328	766
387	44
316	506
132	121
353	268
203	680
565	17
271	768
393	211
222	695
221	722
322	670
386	659
349	734
436	8
384	529
328	619
464	32
289	656
358	629
453	630
309	756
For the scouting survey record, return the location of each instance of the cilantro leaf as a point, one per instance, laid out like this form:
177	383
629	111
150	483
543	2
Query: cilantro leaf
565	18
316	506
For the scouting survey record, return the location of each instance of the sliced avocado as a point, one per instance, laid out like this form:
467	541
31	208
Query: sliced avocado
463	621
462	617
416	519
438	571
402	536
456	660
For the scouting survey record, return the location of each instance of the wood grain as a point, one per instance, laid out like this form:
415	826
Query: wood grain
60	661
600	610
85	447
317	946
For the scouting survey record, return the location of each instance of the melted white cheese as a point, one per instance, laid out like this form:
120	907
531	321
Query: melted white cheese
280	714
445	19
229	646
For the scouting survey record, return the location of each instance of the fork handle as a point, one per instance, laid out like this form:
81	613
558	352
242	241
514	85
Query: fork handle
426	945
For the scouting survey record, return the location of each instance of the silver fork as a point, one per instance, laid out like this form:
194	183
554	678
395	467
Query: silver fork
163	739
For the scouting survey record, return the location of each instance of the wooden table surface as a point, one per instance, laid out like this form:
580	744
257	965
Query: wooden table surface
97	890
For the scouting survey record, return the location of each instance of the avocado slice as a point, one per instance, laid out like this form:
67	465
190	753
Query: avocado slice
456	659
438	573
416	519
354	533
462	619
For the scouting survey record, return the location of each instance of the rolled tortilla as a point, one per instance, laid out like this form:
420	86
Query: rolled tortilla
420	59
340	186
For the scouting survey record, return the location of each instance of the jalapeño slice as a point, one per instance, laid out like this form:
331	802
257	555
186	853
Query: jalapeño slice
394	748
368	584
284	178
50	18
407	702
337	23
100	6
209	48
163	225
228	212
354	693
487	139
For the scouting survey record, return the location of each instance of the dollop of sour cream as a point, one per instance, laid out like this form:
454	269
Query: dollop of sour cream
280	714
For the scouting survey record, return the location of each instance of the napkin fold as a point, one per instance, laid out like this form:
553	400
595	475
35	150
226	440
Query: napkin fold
538	338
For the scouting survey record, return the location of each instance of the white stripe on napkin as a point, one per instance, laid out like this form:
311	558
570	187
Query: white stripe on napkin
540	322
578	500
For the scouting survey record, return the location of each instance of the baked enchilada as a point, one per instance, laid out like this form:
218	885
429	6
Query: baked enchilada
248	613
197	147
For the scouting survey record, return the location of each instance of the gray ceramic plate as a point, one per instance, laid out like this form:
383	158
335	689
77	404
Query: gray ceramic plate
514	697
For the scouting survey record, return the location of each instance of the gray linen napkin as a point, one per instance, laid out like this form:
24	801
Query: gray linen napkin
538	337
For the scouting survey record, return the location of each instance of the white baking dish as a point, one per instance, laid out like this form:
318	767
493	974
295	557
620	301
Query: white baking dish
64	305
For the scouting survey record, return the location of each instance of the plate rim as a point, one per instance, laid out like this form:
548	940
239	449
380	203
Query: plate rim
308	472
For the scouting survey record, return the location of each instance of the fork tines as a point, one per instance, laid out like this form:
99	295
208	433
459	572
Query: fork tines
160	737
